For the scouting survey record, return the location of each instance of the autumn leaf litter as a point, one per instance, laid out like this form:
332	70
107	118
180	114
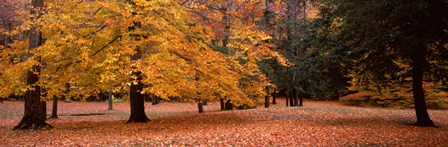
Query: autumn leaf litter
178	124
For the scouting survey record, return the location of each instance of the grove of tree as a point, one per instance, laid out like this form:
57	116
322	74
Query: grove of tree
207	50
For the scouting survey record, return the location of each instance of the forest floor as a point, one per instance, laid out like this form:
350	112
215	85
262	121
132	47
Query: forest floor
318	123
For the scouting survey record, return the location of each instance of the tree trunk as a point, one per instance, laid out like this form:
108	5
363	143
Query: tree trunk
54	110
296	96
136	98
200	107
137	101
67	91
35	109
266	98
291	98
228	105
221	101
417	89
110	100
274	97
287	99
154	101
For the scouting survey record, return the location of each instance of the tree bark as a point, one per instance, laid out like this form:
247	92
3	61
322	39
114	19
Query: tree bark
221	102
291	98
54	110
200	107
110	100
35	109
417	89
136	98
296	96
266	98
228	105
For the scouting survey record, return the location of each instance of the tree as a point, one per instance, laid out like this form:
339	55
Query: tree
137	100
380	31
35	108
110	100
54	110
236	35
88	44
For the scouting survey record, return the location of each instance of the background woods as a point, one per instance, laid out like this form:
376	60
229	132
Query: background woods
238	53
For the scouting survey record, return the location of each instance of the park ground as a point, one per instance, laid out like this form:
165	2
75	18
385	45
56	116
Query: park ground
318	123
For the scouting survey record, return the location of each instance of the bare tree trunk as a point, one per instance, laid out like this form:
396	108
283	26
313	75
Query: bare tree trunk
266	98
274	97
200	107
110	100
35	109
291	98
154	100
221	102
136	98
228	105
296	96
54	110
423	118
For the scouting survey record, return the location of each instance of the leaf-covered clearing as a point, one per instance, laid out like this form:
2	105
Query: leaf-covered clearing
178	124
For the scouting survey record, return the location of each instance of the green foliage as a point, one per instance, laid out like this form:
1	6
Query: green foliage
320	65
382	35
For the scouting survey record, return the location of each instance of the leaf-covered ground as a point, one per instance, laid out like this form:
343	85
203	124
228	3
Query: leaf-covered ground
178	124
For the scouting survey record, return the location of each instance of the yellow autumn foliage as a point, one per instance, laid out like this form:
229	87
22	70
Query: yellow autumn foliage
88	44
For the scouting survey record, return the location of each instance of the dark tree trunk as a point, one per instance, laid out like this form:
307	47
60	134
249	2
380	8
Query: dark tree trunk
274	98
204	102
137	101
54	110
266	101
67	91
43	110
228	105
110	100
287	100
301	101
153	99
136	98
291	98
296	96
417	89
266	98
35	109
221	102
200	107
